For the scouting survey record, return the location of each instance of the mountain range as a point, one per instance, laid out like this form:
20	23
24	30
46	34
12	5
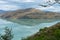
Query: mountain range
2	11
30	13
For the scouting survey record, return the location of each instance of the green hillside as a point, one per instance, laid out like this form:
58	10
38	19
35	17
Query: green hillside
51	33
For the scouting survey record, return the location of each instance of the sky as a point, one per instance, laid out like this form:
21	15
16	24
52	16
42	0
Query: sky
9	5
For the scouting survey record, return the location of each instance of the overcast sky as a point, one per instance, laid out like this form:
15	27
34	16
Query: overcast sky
19	4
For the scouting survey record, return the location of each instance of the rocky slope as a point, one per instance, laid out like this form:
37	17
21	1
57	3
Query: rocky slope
30	13
51	33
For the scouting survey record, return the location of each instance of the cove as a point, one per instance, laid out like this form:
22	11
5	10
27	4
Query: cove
22	31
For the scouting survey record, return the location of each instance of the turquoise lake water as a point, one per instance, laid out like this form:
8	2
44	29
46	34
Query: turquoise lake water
21	31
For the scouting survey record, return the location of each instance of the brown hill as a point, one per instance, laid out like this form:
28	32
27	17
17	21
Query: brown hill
30	13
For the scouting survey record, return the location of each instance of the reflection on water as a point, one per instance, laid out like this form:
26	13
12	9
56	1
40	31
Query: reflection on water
32	22
20	31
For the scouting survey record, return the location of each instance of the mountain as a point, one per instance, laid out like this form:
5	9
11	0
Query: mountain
30	13
50	33
2	11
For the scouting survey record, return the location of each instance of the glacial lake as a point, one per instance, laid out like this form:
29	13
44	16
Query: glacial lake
21	30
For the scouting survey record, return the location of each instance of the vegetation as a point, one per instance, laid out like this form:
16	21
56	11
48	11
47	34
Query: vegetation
51	33
8	34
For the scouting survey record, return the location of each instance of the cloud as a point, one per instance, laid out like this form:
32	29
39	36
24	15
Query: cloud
18	4
2	2
28	0
8	7
5	5
19	1
15	4
53	8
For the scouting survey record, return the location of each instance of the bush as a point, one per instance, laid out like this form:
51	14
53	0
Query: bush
8	34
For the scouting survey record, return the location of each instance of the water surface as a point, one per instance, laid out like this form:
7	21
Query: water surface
21	31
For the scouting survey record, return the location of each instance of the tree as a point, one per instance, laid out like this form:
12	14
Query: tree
8	34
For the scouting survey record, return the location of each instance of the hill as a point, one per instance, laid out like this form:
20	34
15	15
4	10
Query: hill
51	33
30	13
2	11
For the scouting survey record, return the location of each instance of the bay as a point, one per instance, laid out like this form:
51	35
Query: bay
21	31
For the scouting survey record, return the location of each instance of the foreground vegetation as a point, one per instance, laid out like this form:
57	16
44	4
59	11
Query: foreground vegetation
51	33
7	35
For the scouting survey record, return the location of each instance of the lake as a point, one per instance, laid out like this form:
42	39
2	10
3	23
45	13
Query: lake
23	30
